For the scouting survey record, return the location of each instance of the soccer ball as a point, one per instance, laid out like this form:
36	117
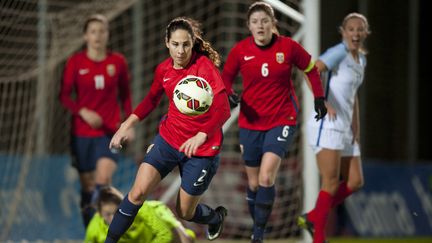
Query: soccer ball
193	95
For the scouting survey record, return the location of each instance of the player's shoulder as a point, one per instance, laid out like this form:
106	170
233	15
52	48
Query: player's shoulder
164	66
244	43
79	55
339	48
334	55
116	56
201	59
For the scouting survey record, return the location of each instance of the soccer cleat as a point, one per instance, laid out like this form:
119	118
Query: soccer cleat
215	230
256	240
304	223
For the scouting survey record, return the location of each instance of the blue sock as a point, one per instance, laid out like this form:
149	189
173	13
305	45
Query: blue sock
87	211
263	207
122	220
205	215
250	198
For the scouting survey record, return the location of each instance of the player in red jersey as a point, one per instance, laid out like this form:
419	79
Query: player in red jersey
99	80
268	111
190	142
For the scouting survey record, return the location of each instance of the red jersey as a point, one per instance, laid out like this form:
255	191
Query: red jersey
268	98
177	127
98	86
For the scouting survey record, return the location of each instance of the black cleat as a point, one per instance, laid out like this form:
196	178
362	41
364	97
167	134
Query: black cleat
256	240
304	223
215	230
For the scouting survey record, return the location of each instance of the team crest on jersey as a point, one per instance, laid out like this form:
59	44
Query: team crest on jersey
280	57
111	69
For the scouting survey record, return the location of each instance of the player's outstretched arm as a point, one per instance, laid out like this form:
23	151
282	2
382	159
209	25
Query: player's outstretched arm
122	133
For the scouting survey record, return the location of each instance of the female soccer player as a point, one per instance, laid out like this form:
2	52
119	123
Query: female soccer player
190	142
100	81
154	222
268	111
335	139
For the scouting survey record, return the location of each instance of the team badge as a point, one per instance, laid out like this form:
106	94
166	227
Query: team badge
280	57
111	69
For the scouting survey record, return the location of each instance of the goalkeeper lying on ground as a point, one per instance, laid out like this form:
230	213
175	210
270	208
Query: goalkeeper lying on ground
154	223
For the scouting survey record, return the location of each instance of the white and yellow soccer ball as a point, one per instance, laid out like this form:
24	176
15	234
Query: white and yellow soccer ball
193	95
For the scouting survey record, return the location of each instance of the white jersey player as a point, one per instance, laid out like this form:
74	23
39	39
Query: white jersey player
335	139
344	77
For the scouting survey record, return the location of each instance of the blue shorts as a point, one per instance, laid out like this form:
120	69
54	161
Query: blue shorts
196	172
255	143
86	151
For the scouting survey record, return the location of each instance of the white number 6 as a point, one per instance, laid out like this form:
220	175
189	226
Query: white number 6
264	70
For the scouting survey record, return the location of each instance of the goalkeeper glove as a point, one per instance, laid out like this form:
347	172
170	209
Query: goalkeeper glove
234	100
320	108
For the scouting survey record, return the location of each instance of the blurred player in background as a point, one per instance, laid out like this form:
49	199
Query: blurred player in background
95	86
335	139
154	223
269	106
190	142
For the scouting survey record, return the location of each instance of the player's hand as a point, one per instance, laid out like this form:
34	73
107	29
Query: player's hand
91	117
320	108
234	100
119	137
331	112
191	145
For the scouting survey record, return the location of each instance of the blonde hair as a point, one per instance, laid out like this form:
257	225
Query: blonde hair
352	16
362	18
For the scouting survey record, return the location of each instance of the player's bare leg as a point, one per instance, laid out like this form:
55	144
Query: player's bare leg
352	178
189	208
266	194
146	180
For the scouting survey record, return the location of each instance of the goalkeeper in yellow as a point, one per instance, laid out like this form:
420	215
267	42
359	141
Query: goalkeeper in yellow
154	223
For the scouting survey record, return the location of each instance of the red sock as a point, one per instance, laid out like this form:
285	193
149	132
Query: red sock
322	208
343	192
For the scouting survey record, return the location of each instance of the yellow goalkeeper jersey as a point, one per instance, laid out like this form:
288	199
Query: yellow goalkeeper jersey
153	224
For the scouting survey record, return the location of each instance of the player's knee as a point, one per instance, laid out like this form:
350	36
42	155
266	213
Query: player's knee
266	180
253	186
356	185
136	196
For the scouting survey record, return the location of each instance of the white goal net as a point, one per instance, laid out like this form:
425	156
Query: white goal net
38	189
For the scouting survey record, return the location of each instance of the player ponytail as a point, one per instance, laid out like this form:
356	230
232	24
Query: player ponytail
194	28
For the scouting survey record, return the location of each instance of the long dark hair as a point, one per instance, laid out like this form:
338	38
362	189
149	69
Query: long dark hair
193	27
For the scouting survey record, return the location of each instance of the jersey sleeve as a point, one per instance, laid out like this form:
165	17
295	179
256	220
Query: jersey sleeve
230	69
124	88
303	60
149	103
164	213
68	84
334	55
